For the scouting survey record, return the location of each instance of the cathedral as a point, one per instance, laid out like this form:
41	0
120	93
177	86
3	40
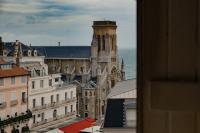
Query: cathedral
95	69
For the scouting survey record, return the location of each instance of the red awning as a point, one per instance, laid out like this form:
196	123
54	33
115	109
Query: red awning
78	126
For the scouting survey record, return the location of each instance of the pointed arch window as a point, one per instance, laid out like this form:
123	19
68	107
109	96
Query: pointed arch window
99	42
104	42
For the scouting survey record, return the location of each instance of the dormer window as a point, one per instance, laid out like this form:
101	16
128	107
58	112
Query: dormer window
29	52
35	53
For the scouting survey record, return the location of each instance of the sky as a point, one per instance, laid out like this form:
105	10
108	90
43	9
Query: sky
47	22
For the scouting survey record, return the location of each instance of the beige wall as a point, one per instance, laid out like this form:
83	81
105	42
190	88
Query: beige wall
6	90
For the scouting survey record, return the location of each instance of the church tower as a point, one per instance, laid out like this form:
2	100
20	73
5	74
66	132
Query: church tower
104	45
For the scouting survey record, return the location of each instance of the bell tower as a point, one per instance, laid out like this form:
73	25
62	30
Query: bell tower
104	33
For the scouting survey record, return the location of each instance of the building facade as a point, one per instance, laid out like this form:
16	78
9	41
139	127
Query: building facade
50	99
14	113
94	68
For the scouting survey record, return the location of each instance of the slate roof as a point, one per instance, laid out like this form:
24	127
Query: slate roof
62	52
9	46
122	87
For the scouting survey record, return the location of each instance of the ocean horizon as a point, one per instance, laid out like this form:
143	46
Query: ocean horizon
129	57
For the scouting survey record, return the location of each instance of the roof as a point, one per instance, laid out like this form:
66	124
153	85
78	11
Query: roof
62	52
10	47
123	87
16	71
78	126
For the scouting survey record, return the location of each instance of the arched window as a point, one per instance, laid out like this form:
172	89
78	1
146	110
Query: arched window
54	113
112	38
104	42
86	93
99	42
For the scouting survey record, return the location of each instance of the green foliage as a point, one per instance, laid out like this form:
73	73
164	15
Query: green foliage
19	118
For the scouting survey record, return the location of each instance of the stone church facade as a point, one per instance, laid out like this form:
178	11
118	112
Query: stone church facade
95	69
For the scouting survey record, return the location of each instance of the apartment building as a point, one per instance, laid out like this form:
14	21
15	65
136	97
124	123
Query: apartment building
14	113
50	99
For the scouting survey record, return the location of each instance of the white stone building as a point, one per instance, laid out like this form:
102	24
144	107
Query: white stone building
50	99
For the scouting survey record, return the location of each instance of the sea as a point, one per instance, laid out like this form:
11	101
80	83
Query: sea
129	57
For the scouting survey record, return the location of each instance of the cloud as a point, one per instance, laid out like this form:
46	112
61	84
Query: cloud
69	21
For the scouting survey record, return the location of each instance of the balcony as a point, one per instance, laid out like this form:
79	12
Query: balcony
54	104
44	106
18	118
13	102
58	117
3	105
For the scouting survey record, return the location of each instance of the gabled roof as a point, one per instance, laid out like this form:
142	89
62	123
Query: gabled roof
63	52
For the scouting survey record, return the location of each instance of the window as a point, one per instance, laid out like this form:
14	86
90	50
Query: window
13	96
81	68
1	98
86	107
57	97
23	97
33	84
1	81
12	80
86	114
41	83
54	113
71	94
112	42
23	79
42	101
51	98
33	118
50	82
56	79
90	93
65	95
71	108
99	43
104	42
42	116
34	101
86	93
65	110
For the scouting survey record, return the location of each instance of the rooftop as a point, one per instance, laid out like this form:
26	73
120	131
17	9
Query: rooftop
123	87
63	52
16	71
105	23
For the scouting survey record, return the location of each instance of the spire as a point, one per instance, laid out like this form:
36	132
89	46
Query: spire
122	70
122	64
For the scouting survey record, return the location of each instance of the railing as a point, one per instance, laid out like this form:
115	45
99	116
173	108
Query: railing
58	117
13	102
54	104
3	105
